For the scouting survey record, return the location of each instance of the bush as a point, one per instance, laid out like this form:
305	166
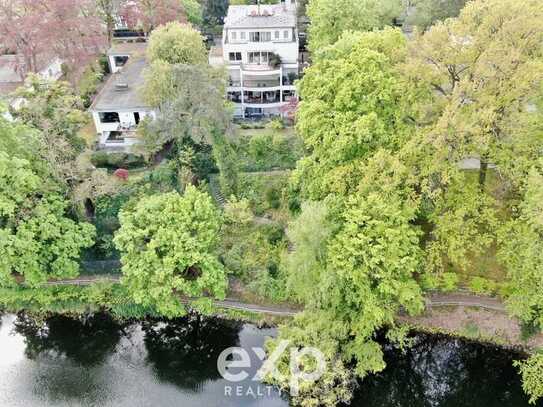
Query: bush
275	124
113	161
482	286
90	80
429	281
273	197
449	282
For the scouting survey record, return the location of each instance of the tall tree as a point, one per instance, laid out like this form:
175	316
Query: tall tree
483	74
107	10
168	245
521	250
187	117
55	110
37	239
330	18
484	80
352	103
356	284
177	43
42	30
428	12
149	14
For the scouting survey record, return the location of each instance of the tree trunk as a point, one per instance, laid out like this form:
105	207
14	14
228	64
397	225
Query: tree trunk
483	169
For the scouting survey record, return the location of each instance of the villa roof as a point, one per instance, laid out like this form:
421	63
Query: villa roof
265	16
122	89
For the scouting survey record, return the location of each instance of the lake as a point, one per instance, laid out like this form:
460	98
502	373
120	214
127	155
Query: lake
96	361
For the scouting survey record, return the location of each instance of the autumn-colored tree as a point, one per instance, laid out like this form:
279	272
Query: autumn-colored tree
42	30
149	14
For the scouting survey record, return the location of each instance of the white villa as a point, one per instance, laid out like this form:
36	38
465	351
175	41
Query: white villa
260	50
118	108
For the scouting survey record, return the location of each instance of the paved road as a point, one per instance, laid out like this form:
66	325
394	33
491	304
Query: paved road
464	299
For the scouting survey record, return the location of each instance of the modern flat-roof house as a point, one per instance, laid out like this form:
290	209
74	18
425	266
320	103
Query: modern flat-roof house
260	52
119	53
118	108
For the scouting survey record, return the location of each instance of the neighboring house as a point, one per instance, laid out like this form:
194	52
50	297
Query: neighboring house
13	71
120	53
260	50
118	108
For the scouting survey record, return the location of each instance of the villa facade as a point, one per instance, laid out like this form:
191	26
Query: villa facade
260	50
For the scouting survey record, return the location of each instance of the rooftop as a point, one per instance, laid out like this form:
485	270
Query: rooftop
11	68
265	16
128	48
122	89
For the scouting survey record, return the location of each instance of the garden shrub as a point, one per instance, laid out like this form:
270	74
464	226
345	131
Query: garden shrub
482	286
449	282
113	161
276	124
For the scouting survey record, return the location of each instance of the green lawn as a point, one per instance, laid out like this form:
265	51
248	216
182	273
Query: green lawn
267	149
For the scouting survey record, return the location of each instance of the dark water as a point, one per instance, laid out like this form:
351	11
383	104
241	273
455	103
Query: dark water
98	362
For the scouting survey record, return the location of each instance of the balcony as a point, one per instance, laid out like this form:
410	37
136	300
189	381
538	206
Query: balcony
260	69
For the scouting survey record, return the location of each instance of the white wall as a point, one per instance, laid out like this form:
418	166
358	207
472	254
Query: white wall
126	119
112	67
287	50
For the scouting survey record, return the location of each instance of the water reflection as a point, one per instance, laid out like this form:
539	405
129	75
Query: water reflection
444	372
95	361
87	341
185	351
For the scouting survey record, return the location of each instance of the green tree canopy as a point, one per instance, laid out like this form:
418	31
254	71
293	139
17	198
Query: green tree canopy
57	112
330	18
532	376
351	105
37	240
176	43
482	72
428	12
168	244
